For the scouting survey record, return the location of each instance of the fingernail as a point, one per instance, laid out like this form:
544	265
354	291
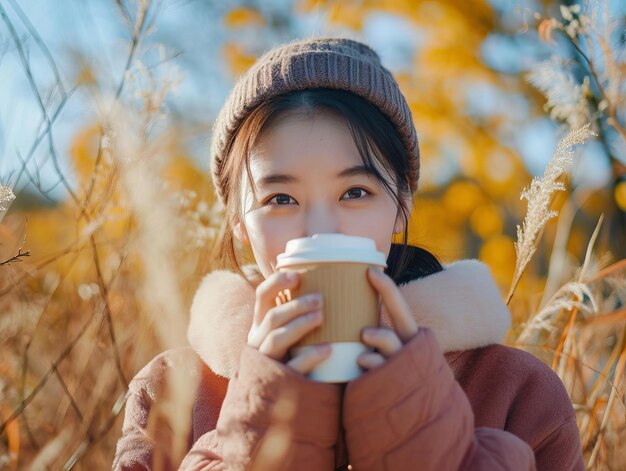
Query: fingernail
369	333
291	275
324	348
315	300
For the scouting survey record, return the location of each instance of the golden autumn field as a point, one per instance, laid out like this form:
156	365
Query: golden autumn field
98	280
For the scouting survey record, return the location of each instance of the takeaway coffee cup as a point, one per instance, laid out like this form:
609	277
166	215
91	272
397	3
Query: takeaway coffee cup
336	265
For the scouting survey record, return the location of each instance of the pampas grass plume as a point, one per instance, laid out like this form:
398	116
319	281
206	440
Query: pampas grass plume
539	196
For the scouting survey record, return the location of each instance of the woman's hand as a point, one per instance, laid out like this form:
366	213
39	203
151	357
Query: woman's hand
387	341
277	327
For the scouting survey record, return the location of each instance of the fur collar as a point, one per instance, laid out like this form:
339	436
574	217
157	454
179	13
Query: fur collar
461	305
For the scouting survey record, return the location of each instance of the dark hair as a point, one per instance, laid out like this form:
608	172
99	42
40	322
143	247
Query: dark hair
377	140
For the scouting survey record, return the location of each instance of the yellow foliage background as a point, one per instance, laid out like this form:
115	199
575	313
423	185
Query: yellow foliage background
78	315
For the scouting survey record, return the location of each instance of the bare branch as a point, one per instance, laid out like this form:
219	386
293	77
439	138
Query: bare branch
64	354
42	107
67	392
42	45
107	313
16	258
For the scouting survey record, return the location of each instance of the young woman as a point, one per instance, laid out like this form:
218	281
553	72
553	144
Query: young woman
317	138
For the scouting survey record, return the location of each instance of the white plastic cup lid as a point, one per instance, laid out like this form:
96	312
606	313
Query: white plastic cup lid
331	248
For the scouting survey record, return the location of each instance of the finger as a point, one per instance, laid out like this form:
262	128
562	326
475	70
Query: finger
386	341
309	358
280	340
397	307
284	313
268	290
370	360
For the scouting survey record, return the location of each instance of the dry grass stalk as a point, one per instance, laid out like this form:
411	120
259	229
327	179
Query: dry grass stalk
539	197
597	93
568	297
561	263
581	329
92	295
567	99
141	163
571	331
48	455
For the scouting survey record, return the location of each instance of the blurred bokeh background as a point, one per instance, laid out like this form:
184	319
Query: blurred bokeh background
106	110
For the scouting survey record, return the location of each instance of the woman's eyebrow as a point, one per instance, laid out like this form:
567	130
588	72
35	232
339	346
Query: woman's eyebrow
353	171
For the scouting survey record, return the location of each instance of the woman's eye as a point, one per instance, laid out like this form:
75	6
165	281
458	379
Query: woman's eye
281	199
356	193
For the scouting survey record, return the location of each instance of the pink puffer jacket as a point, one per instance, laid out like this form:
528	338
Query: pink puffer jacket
451	399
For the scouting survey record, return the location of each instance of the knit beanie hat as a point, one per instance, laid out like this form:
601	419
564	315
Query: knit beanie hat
337	63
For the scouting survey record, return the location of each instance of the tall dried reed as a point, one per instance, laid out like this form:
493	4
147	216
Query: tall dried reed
78	323
539	197
579	328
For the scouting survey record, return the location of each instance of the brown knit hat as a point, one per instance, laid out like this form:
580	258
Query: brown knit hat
338	63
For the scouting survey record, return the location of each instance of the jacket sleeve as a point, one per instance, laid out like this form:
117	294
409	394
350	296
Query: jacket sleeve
542	414
134	448
272	418
411	413
146	438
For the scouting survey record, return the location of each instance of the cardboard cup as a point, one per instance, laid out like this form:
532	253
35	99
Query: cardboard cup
336	265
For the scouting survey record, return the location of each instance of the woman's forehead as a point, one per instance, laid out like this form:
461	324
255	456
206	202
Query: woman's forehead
315	150
305	141
302	167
